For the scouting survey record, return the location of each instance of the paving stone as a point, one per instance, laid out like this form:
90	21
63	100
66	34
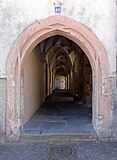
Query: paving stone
59	118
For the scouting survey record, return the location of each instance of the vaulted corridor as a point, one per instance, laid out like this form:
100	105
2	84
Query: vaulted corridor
58	72
56	65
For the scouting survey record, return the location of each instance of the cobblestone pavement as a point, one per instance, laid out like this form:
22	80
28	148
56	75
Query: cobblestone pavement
68	150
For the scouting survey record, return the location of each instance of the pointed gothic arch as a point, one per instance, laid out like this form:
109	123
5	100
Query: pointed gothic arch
89	43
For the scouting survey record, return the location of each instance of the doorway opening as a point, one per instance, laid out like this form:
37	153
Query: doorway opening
57	78
40	74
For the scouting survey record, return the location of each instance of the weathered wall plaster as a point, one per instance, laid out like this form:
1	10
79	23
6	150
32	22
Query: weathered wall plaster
16	16
2	106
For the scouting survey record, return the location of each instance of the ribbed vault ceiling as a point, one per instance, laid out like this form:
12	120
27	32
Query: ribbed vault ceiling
58	51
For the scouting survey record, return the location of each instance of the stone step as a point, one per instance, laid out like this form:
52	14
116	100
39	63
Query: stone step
62	98
62	137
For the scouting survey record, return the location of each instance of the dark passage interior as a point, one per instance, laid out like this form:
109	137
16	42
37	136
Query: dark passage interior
57	76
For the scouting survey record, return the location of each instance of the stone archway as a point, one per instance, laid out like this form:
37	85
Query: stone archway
58	25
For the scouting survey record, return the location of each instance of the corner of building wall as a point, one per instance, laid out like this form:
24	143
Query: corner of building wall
2	108
113	97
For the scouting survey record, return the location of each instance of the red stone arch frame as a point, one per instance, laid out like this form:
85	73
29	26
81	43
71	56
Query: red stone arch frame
58	25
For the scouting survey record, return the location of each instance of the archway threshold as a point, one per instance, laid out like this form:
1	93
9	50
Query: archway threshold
59	120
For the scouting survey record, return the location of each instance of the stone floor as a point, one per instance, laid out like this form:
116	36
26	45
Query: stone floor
60	118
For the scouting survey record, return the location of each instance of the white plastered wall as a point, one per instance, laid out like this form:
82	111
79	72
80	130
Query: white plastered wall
99	16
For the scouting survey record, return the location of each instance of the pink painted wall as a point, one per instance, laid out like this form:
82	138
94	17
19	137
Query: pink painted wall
34	84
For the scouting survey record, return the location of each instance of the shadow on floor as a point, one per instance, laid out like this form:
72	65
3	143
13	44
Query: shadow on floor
57	118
